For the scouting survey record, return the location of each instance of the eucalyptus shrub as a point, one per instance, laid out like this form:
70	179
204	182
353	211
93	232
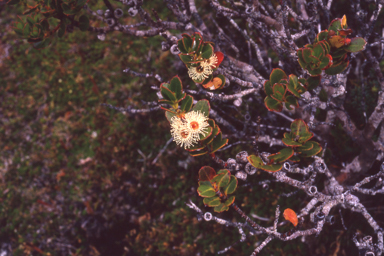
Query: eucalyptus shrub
241	58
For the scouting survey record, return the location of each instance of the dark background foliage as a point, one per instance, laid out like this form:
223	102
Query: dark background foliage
77	178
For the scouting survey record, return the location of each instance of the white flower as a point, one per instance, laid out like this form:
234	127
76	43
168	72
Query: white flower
196	122
181	134
211	62
200	72
186	130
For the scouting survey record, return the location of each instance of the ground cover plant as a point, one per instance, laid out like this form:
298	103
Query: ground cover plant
191	127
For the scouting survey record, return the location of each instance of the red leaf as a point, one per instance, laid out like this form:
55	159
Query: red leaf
291	216
220	57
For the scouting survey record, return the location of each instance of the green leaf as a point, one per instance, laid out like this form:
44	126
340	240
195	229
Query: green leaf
301	59
313	82
203	106
272	167
276	75
207	134
195	147
212	201
272	104
181	46
313	151
357	44
186	103
337	69
198	153
294	87
323	35
290	142
187	42
222	207
176	87
186	58
231	187
229	201
167	93
209	139
83	23
207	51
255	161
206	190
222	178
279	91
197	42
308	55
318	50
306	146
325	61
268	88
282	155
169	115
300	131
218	142
206	173
335	25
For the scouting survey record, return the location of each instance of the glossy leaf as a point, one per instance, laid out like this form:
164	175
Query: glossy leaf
313	151
206	173
323	35
231	187
337	69
272	167
255	161
176	87
222	178
210	138
198	153
290	216
282	155
272	104
222	207
290	142
181	46
207	51
357	44
186	103
293	86
187	42
279	91
212	201
203	106
268	88
229	201
276	75
306	146
291	100
218	142
205	189
186	58
335	25
167	93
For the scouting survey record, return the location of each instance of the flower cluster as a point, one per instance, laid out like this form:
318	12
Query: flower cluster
187	129
204	69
